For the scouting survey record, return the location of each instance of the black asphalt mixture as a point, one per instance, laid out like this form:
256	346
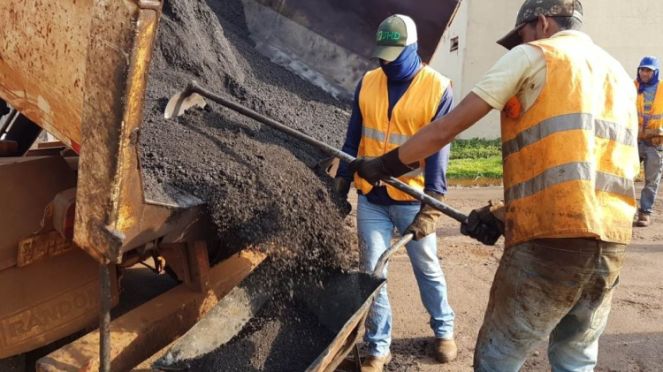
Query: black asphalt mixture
259	186
281	338
291	331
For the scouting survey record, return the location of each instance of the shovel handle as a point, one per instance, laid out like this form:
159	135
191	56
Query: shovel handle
194	87
384	258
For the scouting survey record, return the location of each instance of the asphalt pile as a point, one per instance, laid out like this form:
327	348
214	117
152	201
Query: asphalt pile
260	187
279	338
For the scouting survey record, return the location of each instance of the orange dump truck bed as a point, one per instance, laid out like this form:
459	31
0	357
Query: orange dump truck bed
78	69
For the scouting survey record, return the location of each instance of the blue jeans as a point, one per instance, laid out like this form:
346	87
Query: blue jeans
653	159
554	289
376	226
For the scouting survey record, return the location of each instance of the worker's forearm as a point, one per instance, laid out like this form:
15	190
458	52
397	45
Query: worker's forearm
442	131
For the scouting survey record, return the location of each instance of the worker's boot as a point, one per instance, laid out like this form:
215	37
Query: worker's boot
375	363
445	350
643	220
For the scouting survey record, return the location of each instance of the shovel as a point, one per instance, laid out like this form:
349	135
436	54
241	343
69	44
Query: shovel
340	297
192	96
378	272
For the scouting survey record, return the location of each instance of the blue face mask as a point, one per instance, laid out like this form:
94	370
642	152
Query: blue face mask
405	66
652	81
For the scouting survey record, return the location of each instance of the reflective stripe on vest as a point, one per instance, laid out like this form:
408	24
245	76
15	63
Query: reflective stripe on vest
580	171
414	109
600	128
379	136
654	126
570	161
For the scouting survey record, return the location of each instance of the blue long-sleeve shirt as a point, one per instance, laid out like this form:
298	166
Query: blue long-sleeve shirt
436	164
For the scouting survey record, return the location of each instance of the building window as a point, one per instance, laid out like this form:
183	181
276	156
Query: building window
454	44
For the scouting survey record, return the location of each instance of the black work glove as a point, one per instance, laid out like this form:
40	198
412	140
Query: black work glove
485	224
375	169
341	188
425	221
4	109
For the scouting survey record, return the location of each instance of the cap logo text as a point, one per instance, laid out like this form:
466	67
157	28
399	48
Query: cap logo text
389	36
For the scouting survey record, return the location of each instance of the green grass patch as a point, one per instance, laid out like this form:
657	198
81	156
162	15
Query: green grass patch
476	149
490	167
476	159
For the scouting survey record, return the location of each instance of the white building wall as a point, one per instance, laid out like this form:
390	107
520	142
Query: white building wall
450	63
627	30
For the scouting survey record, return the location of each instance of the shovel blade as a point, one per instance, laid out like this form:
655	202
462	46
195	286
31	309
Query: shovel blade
182	101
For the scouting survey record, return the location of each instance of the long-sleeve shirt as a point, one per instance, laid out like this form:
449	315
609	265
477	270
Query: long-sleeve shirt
436	164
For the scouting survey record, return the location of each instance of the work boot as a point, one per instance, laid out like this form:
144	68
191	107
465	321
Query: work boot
445	350
374	363
643	220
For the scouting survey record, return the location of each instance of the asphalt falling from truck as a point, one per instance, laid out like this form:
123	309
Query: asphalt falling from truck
260	187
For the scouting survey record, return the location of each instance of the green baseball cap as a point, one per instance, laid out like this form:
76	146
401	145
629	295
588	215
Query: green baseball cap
532	9
394	34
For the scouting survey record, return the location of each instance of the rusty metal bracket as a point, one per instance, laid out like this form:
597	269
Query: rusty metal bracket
199	266
152	326
190	262
150	5
177	260
38	247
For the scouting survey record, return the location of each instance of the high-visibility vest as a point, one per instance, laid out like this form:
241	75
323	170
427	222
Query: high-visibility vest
654	131
571	159
413	111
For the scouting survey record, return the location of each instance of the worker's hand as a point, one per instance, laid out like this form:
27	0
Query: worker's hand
485	224
426	220
375	169
4	109
341	188
370	169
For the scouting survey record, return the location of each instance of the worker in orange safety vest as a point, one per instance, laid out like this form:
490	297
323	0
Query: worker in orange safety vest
569	142
392	103
650	134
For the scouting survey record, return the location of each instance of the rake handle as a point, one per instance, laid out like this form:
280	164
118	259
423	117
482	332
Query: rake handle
194	87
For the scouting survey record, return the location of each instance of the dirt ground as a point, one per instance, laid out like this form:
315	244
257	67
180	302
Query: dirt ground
633	340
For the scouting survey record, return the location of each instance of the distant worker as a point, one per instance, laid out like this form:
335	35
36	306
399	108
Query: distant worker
650	134
392	102
569	142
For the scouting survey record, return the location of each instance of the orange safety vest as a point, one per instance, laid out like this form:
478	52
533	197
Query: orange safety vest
571	159
414	110
654	131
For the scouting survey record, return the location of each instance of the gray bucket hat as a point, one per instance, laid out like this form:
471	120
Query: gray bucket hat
532	9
